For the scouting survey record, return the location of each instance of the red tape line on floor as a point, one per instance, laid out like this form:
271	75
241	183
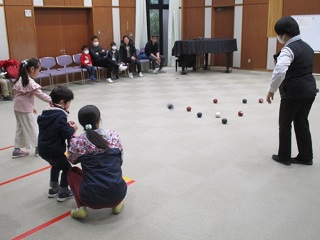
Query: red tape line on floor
23	176
46	224
5	148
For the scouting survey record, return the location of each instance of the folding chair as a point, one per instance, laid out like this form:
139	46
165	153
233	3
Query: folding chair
65	61
48	63
76	60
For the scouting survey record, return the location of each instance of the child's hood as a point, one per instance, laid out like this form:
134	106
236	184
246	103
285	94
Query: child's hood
49	115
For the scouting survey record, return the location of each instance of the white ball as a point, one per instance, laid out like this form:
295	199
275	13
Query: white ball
217	115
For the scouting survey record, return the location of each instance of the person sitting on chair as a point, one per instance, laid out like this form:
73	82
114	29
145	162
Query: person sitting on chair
153	53
99	58
4	88
128	55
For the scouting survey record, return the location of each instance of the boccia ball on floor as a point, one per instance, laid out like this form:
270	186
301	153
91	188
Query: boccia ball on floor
218	115
170	106
224	120
199	114
188	108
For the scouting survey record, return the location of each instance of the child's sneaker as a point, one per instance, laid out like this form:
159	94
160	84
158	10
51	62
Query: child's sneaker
140	74
19	153
53	192
63	196
130	75
36	152
92	78
116	210
79	213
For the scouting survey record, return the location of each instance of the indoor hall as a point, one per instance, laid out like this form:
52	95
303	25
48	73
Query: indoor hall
189	177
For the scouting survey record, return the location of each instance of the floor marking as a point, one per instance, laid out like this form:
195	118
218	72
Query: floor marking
23	176
46	224
5	148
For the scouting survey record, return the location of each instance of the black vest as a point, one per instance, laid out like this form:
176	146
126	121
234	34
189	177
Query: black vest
299	82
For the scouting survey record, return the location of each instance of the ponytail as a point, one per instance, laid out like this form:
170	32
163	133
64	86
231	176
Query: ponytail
95	138
24	70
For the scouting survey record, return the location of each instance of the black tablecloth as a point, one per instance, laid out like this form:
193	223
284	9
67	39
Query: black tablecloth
206	45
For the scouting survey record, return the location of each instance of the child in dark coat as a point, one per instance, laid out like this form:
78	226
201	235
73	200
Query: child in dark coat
54	130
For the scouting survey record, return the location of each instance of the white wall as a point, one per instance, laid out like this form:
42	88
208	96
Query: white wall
272	49
116	22
237	34
4	53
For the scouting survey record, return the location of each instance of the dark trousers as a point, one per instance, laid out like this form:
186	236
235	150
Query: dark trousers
131	64
296	111
154	62
107	63
75	178
115	69
58	164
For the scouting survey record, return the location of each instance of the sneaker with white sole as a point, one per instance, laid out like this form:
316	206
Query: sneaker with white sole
155	71
161	71
122	68
63	196
79	213
19	153
130	75
53	192
109	80
116	210
140	74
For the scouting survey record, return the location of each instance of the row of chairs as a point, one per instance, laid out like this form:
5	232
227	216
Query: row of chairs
67	65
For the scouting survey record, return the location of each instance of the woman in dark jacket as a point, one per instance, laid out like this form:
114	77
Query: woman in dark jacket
99	184
128	55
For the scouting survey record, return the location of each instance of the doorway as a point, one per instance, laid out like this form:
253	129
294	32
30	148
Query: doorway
61	31
157	20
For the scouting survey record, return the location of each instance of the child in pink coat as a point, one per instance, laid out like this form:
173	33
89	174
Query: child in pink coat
25	89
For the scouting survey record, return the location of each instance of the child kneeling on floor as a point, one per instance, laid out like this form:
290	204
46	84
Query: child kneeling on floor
99	184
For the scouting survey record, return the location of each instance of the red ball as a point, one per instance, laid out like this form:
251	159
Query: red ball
215	100
188	108
260	100
240	113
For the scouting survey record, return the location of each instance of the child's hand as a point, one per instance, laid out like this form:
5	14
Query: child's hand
35	111
74	125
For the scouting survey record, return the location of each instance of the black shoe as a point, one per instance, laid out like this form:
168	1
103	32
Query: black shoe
276	158
117	76
63	196
296	160
8	98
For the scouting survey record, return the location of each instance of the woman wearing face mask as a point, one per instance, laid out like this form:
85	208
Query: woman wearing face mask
293	76
99	58
114	55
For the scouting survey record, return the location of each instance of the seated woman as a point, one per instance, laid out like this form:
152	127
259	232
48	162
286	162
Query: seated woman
128	55
99	184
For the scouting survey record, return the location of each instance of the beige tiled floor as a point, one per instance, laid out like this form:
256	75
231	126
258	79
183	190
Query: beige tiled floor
195	178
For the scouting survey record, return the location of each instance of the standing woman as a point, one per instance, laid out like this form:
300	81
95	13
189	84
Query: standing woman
128	55
25	89
293	76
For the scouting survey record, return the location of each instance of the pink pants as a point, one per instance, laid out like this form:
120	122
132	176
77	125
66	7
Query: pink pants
75	178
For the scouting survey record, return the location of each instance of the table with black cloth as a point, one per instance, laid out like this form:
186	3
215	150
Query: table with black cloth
187	50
